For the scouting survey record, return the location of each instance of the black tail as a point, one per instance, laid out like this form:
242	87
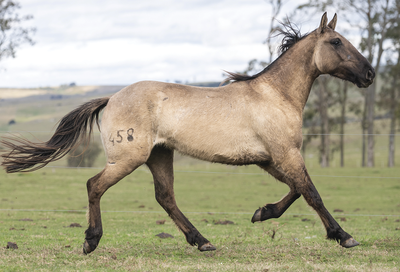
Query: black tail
26	156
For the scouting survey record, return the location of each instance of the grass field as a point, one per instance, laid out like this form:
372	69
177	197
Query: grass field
38	208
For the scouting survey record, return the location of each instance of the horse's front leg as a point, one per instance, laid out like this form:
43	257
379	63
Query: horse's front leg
275	210
160	164
311	195
293	172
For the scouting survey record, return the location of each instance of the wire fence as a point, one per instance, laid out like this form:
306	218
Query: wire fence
227	173
210	213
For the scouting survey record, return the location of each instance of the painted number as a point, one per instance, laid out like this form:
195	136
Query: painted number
111	139
120	138
130	134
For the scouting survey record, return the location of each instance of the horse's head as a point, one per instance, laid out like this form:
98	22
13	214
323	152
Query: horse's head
336	56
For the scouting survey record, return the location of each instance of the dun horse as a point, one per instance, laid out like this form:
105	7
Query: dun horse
253	120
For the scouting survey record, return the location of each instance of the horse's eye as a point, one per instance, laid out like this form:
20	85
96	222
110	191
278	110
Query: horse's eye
336	42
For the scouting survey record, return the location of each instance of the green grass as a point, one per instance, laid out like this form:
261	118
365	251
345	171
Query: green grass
370	207
53	198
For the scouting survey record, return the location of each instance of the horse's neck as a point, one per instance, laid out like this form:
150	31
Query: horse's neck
293	74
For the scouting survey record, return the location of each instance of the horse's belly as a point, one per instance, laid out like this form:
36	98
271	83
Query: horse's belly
220	148
242	158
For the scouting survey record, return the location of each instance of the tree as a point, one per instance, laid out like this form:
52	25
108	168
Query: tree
310	123
376	15
322	92
390	94
12	32
342	99
389	99
324	100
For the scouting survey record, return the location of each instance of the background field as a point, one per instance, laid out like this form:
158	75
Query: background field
36	209
370	212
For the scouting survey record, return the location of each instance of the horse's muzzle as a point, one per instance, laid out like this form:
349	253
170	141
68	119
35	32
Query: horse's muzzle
364	82
370	75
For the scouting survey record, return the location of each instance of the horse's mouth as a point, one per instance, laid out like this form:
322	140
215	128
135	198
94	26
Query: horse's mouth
364	84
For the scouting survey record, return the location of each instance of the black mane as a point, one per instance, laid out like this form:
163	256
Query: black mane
291	35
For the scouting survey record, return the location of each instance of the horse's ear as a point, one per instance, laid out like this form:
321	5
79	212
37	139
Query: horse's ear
332	23
322	25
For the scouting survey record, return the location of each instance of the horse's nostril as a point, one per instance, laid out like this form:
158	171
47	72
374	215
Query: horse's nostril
370	75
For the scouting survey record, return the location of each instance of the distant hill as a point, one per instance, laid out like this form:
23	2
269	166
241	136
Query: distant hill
57	93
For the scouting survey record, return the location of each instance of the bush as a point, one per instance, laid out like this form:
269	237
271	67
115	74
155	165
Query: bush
84	156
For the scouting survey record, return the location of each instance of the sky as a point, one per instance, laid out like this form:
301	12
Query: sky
119	42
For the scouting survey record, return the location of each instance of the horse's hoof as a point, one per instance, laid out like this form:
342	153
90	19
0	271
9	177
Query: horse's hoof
349	243
86	248
207	247
257	216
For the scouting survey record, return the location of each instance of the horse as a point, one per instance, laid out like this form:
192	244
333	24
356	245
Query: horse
252	120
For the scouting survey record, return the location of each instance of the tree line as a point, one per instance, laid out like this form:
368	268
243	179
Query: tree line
378	25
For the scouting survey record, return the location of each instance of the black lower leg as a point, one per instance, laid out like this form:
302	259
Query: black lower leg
160	164
95	230
333	229
92	239
192	235
337	233
275	210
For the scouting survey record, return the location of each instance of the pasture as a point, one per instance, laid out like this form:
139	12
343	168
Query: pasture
54	198
37	210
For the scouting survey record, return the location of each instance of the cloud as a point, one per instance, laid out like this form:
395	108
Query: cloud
121	42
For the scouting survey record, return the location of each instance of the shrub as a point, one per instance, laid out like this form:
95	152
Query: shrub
84	156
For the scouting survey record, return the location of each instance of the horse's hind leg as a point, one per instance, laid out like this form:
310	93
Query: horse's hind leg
160	164
96	187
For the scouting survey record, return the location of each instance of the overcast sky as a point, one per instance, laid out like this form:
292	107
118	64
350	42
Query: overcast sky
119	42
